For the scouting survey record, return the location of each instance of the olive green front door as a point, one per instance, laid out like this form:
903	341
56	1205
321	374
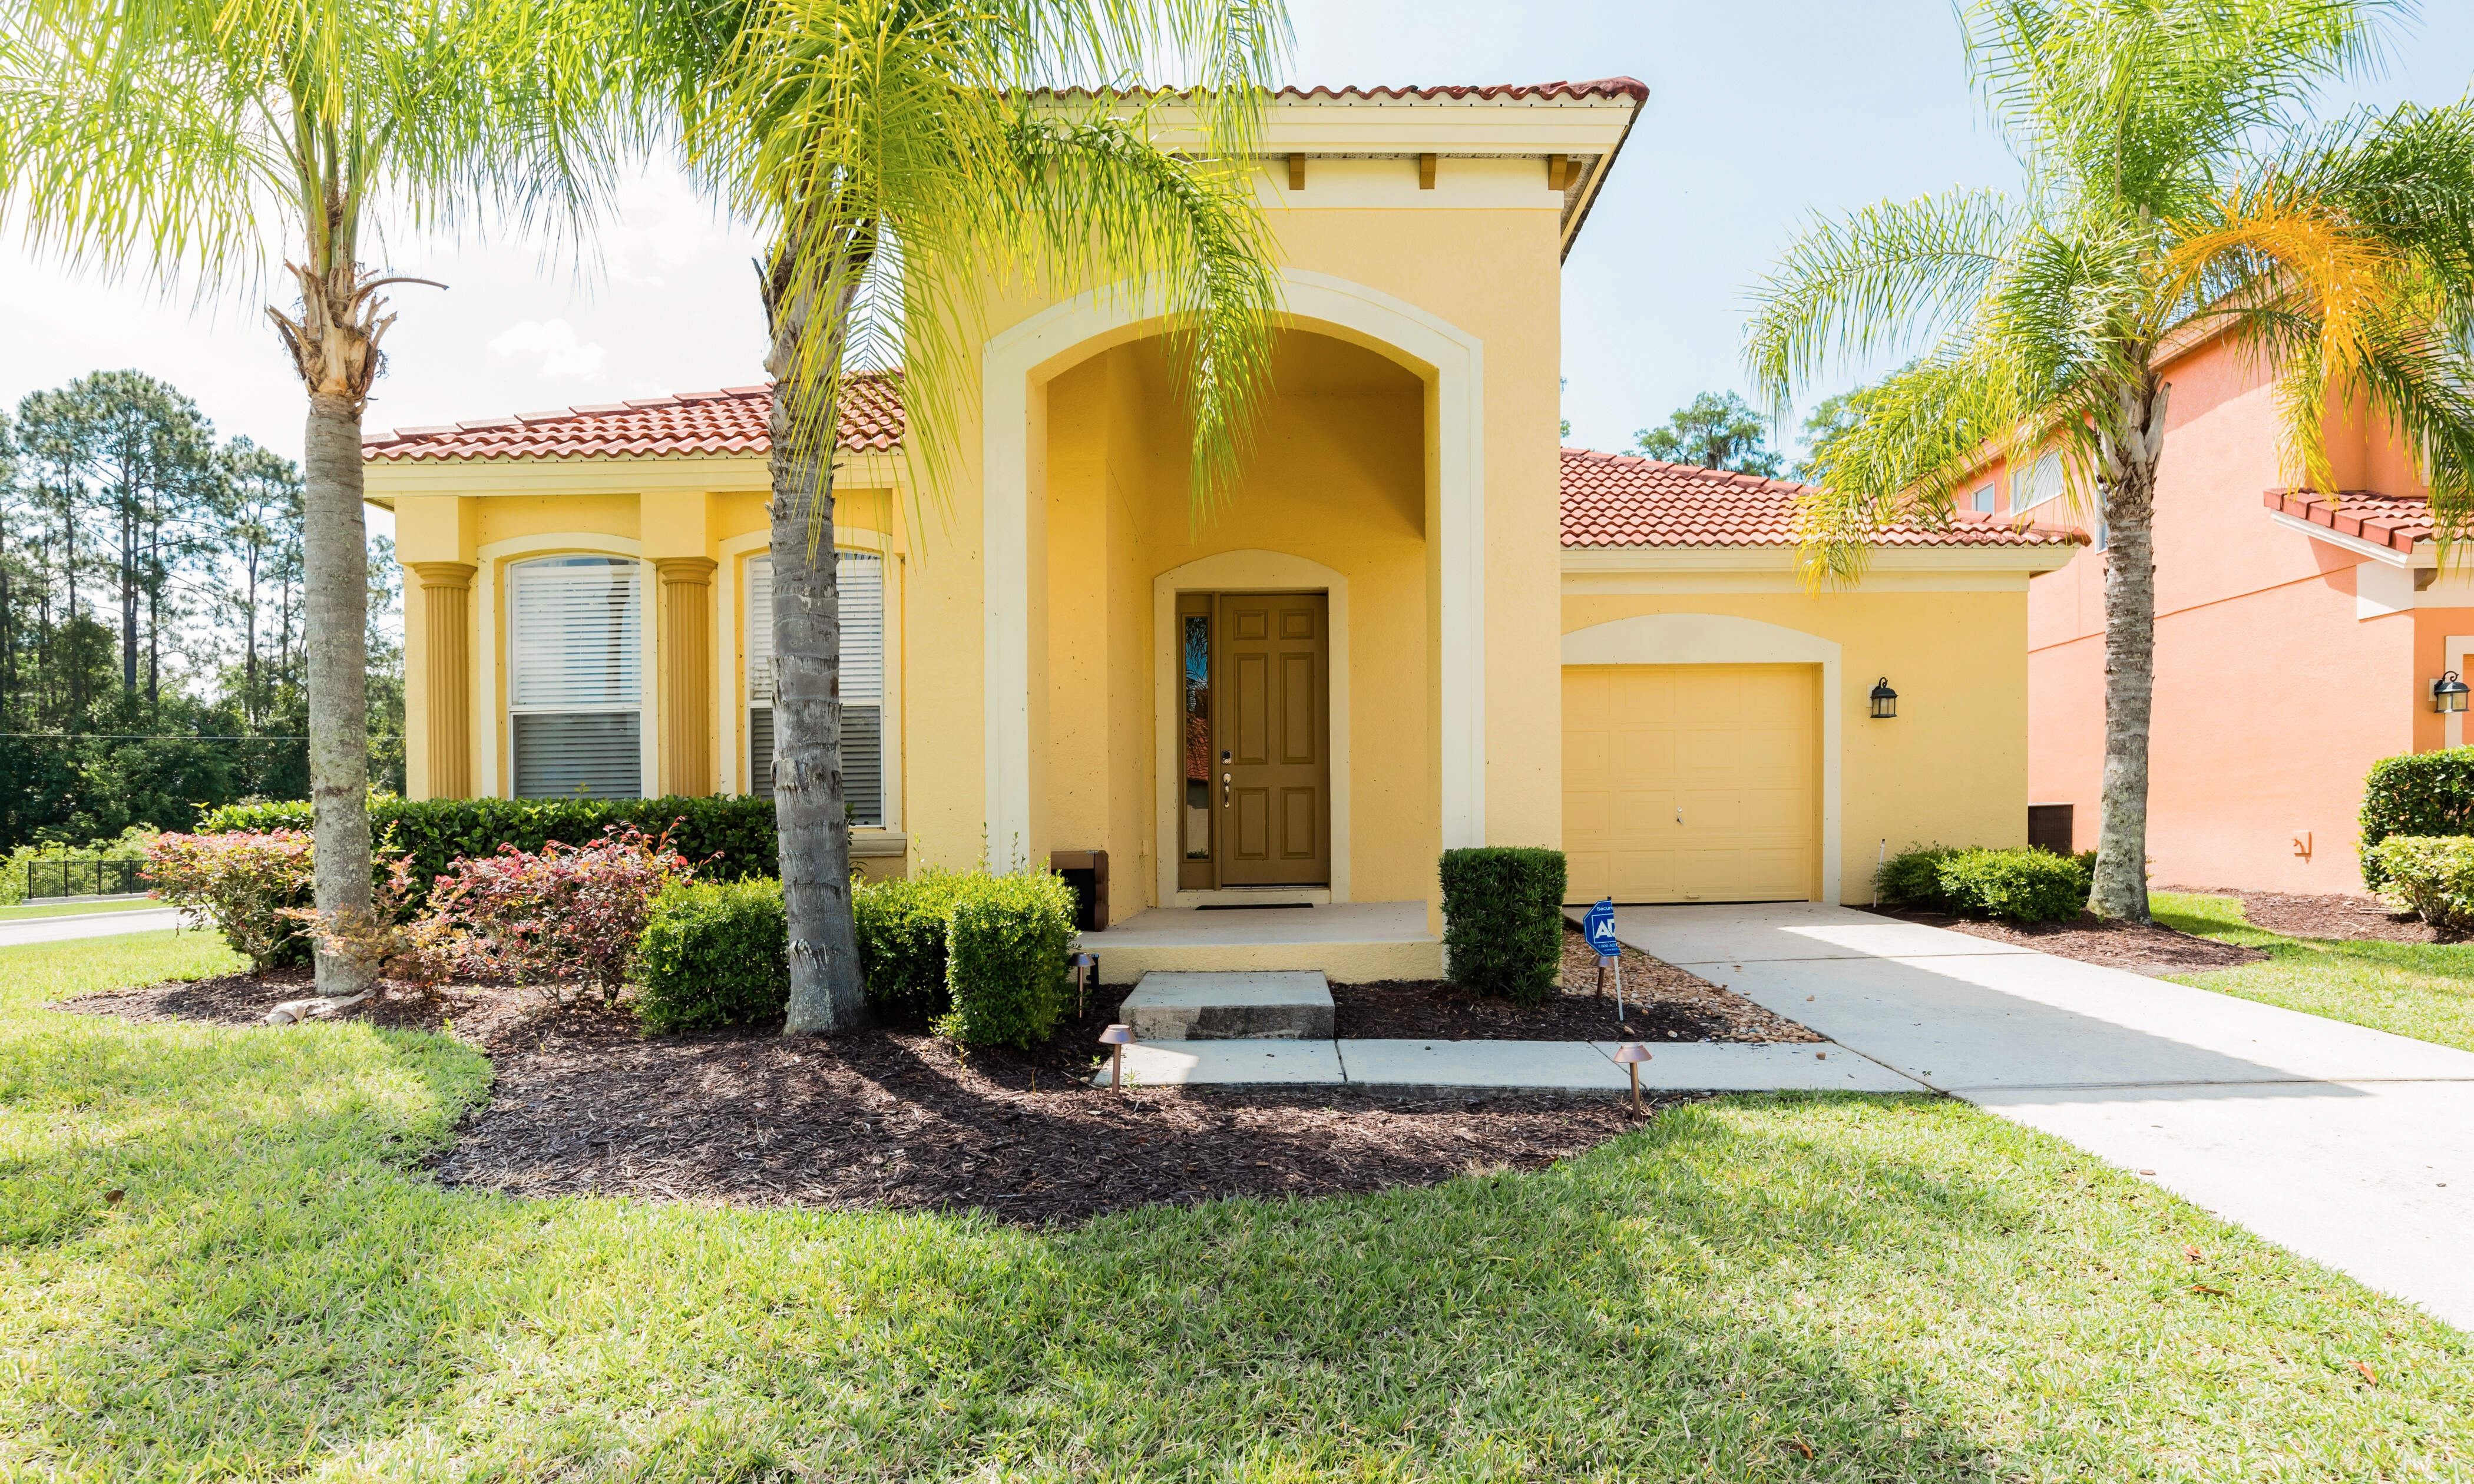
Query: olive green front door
1262	814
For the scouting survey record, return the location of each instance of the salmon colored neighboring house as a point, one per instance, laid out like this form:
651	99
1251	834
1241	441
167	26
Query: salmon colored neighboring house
2299	634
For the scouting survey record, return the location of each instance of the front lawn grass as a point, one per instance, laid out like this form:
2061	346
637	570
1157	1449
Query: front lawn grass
1789	1287
2422	989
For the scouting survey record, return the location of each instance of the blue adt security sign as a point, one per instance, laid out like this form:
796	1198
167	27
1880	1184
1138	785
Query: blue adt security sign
1599	926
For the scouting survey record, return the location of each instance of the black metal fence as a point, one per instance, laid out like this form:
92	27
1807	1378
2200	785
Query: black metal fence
84	878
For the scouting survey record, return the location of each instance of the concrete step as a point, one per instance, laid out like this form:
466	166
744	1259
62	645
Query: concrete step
1292	1005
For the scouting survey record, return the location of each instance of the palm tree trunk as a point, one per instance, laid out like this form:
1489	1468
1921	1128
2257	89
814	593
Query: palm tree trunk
2128	477
827	995
336	564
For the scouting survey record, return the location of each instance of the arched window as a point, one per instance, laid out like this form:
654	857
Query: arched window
859	576
575	686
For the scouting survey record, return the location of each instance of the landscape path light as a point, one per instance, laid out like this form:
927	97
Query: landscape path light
1117	1038
1632	1054
2448	693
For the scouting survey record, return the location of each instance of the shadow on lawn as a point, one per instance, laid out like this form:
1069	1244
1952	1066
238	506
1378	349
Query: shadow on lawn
1754	1289
282	1287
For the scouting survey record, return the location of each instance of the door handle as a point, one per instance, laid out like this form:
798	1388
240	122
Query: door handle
1678	814
1223	790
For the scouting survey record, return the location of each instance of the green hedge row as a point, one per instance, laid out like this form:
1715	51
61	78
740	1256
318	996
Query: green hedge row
2018	885
1005	960
714	953
727	837
901	929
1503	920
2421	793
980	958
2433	874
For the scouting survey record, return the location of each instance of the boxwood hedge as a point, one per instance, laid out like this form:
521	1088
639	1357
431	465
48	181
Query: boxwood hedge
2417	793
728	838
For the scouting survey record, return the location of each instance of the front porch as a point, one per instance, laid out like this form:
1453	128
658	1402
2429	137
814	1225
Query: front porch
1349	942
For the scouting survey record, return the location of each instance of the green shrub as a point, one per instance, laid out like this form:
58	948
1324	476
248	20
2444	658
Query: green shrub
244	883
2019	886
2433	874
1005	959
1913	878
2422	794
714	953
901	928
726	838
1503	920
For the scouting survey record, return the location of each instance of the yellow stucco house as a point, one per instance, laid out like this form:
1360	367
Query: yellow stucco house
1417	623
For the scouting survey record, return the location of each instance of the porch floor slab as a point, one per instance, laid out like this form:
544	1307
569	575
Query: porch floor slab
1349	942
1294	1004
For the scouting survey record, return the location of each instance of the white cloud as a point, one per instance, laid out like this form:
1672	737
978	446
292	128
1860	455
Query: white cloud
562	358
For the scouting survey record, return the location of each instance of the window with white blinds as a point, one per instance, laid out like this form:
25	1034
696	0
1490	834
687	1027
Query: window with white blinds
860	579
576	678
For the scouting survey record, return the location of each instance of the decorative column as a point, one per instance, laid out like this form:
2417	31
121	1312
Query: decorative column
686	674
446	676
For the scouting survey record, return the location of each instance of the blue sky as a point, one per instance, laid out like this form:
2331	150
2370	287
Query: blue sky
1760	114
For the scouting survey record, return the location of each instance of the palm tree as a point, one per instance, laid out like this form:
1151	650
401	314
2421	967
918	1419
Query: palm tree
905	156
2176	192
185	138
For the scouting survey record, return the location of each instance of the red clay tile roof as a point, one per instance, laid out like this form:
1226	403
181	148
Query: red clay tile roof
2391	520
1462	92
730	421
1613	499
1506	92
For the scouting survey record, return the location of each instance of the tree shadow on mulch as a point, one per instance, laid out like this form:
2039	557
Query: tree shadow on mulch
891	1117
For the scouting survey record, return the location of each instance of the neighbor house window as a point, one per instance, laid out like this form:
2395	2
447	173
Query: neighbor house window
575	691
2035	485
860	579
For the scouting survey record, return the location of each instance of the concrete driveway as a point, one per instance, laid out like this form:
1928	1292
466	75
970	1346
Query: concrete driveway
2350	1146
87	925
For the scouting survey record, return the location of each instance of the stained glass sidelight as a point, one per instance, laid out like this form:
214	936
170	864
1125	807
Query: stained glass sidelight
1197	737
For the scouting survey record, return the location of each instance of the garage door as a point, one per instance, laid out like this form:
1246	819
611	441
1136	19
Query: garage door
1690	783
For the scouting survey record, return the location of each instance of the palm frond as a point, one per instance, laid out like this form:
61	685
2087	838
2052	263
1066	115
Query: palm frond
1878	281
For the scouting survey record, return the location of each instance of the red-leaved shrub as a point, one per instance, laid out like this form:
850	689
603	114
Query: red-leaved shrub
415	949
566	913
240	881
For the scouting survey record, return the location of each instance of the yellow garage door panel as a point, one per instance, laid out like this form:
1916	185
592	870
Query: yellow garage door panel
1690	783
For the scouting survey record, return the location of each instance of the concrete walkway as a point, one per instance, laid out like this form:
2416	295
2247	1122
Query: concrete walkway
1454	1068
86	924
2350	1146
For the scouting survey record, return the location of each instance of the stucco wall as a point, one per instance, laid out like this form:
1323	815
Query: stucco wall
1951	767
2274	694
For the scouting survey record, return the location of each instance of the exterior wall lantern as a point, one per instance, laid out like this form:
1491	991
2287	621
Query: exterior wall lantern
2448	693
1885	700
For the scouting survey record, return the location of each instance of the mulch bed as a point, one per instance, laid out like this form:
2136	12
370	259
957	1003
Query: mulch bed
2296	915
1660	1003
2144	948
894	1118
